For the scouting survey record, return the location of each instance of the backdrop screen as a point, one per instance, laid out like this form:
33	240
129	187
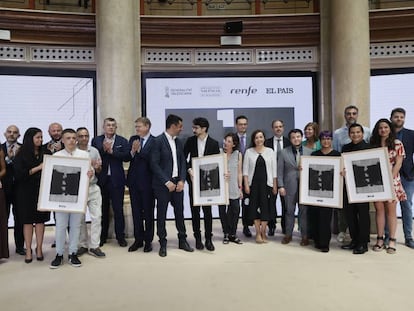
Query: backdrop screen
221	99
36	99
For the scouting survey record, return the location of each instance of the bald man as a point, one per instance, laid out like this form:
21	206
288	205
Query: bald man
10	148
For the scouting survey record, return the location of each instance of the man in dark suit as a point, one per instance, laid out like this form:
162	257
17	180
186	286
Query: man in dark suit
277	143
169	170
406	172
114	150
201	144
241	124
55	144
10	148
139	181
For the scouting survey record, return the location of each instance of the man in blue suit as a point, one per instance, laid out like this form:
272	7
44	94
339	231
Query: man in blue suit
406	172
114	150
168	165
139	181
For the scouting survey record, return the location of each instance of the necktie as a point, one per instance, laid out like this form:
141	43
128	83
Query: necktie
297	156
279	146
242	144
142	142
11	150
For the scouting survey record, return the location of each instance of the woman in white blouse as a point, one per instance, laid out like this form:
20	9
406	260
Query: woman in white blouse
259	174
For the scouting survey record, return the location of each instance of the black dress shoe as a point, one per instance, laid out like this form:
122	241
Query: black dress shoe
246	232
122	243
163	251
148	248
199	245
185	246
210	246
102	242
21	251
361	249
349	246
135	246
271	232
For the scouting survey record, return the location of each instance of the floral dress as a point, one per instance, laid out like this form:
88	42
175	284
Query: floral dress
392	155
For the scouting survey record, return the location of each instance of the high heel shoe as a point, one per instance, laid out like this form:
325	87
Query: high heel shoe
259	239
29	260
41	257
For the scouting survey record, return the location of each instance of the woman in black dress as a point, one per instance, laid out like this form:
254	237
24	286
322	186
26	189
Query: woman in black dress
4	238
357	214
27	167
259	173
322	216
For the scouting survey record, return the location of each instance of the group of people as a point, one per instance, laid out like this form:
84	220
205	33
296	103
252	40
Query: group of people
258	170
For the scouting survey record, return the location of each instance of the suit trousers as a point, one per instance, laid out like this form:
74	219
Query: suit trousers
95	213
142	204
114	196
208	221
291	201
63	220
164	197
358	222
273	221
18	225
229	216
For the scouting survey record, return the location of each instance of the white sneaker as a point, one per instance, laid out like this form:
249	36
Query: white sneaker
340	237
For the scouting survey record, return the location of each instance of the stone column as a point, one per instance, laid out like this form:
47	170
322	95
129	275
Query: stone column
118	50
118	63
350	59
324	78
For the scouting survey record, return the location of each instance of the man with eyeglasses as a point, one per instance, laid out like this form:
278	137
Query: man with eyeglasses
341	138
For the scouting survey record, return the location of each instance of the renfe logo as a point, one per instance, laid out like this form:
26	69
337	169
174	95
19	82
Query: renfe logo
246	92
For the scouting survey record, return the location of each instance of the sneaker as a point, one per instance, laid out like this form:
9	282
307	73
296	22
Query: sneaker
340	237
81	251
96	252
58	261
74	260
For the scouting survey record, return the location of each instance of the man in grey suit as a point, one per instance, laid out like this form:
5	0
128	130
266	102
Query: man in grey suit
288	184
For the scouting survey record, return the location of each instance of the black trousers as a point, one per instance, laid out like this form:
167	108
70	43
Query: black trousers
357	216
18	225
229	216
164	197
208	221
142	205
321	218
273	221
114	195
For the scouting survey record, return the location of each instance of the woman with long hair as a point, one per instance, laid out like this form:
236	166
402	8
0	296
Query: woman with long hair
259	173
383	135
28	166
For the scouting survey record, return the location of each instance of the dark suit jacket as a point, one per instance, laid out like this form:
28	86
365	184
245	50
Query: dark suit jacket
139	171
121	153
8	179
270	143
162	161
407	168
190	148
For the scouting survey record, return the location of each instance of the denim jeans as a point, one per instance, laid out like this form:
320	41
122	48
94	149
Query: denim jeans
63	221
406	208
